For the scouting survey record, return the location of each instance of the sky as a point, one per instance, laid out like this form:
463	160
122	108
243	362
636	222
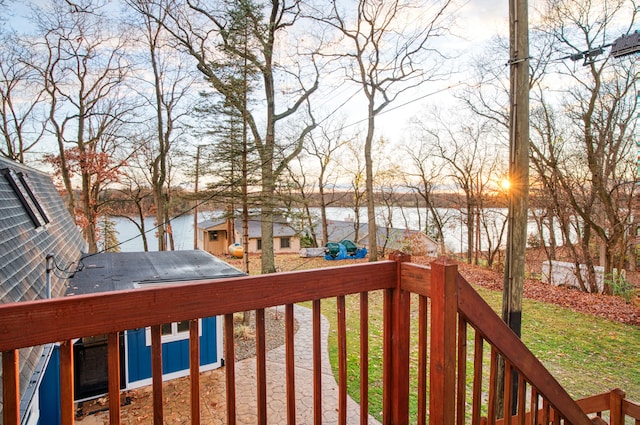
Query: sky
476	22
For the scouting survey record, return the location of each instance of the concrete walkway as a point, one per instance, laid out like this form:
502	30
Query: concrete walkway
213	397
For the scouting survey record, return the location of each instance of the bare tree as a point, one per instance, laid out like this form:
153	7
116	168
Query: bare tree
137	195
425	175
170	84
354	168
386	47
83	73
324	148
208	35
22	109
301	192
600	104
472	163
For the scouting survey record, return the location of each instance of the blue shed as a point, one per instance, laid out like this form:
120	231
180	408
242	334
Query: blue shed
125	271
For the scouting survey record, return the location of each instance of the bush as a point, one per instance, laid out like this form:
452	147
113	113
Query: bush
534	241
621	286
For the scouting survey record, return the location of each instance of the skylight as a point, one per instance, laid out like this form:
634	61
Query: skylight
20	184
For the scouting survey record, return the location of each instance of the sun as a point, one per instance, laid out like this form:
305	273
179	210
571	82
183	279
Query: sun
505	184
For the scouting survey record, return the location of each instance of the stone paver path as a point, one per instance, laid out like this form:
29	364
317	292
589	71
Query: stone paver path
213	397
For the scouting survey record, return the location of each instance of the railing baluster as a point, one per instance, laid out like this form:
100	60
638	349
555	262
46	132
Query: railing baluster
317	363
476	404
230	368
290	366
493	381
364	358
11	387
113	349
462	371
534	406
423	326
555	416
261	367
342	361
387	349
508	394
522	400
66	383
156	374
194	370
545	411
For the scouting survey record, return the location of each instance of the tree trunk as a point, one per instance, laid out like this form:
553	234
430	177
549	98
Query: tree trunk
371	202
268	191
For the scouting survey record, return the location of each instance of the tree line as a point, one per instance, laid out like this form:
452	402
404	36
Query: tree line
252	98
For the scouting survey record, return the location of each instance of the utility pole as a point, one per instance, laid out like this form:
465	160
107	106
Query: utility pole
518	170
195	209
518	165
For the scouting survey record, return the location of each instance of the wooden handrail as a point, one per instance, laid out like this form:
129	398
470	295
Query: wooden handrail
74	317
484	320
614	402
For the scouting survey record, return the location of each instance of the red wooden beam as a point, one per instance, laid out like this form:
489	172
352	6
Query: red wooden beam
364	358
194	370
423	326
67	415
317	363
400	351
113	356
11	387
230	366
462	372
342	361
444	312
57	319
156	374
290	365
261	367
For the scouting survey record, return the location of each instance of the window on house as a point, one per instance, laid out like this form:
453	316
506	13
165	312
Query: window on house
19	182
259	244
285	242
175	331
213	236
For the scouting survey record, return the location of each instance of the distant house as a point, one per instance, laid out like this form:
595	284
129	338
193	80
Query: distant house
388	239
213	236
42	254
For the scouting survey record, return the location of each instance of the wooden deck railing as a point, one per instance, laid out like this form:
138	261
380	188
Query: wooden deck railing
450	314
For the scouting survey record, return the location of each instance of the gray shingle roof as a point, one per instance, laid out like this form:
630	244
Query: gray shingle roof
24	247
111	271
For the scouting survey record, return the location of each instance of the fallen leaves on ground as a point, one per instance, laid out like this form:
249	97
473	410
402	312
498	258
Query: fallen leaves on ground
606	306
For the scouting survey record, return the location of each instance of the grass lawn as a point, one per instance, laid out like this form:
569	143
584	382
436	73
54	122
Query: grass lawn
587	355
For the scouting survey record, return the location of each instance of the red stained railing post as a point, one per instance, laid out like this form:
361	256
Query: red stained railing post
615	410
11	387
66	383
398	302
113	350
444	312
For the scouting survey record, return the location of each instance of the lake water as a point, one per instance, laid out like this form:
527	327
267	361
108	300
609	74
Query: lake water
455	232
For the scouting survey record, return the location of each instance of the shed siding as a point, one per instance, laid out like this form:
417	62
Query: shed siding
175	355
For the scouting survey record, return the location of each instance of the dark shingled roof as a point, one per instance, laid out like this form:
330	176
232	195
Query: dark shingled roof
110	271
24	246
